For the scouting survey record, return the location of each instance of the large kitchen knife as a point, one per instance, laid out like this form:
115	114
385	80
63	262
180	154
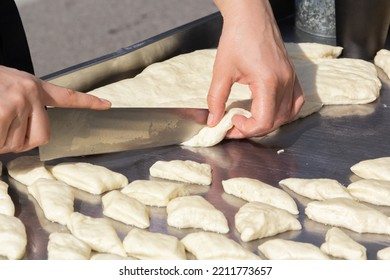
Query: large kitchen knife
78	132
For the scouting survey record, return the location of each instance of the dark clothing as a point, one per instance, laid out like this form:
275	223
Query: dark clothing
14	50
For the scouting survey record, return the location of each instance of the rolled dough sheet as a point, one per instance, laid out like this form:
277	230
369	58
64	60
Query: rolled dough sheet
13	237
65	246
372	191
310	51
376	168
382	60
7	206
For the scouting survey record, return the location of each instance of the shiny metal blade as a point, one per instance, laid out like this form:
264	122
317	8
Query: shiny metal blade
78	132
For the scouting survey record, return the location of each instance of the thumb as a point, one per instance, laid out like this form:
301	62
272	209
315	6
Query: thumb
216	99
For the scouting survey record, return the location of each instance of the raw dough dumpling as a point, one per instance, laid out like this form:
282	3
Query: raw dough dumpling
382	60
372	191
255	190
215	246
187	171
7	207
28	169
384	254
89	177
55	199
65	246
147	245
257	220
317	189
125	209
196	212
312	50
154	193
349	214
338	244
98	233
280	249
377	169
13	237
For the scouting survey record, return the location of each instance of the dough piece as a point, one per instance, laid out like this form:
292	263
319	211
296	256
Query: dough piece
215	246
7	207
349	214
255	190
384	254
312	50
55	199
125	209
88	177
13	237
98	233
28	169
372	191
382	60
280	249
154	193
317	189
187	171
340	245
106	256
258	220
210	136
196	212
65	246
377	169
147	245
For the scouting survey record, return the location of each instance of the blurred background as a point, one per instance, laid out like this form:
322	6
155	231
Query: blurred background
63	33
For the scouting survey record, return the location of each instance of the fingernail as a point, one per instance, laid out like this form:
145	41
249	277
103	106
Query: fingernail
105	101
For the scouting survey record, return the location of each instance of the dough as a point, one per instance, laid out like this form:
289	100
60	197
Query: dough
125	209
106	256
255	190
377	169
13	237
349	214
372	191
147	245
154	193
280	249
196	212
65	246
312	50
7	207
317	189
55	199
258	220
98	233
215	246
384	254
187	171
88	177
382	60
27	169
340	245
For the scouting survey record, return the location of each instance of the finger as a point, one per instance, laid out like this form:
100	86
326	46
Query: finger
6	122
16	135
38	129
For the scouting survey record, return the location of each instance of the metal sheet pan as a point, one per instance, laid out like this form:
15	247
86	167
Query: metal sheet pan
325	144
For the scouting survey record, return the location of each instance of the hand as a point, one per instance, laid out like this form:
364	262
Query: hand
24	122
251	51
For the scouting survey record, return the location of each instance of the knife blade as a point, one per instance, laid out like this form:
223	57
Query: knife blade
80	132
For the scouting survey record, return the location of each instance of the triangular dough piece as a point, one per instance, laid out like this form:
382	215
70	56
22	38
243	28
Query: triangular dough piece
147	245
13	237
196	212
384	254
65	246
215	246
377	169
7	207
257	220
382	60
255	190
310	51
125	209
372	191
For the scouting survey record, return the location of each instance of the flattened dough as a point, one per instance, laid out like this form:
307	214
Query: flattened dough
382	60
255	190
338	244
196	212
154	193
28	169
125	209
215	246
258	220
65	246
147	245
187	171
13	237
7	207
98	233
89	177
317	189
312	50
377	169
280	249
349	214
55	199
384	254
372	191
